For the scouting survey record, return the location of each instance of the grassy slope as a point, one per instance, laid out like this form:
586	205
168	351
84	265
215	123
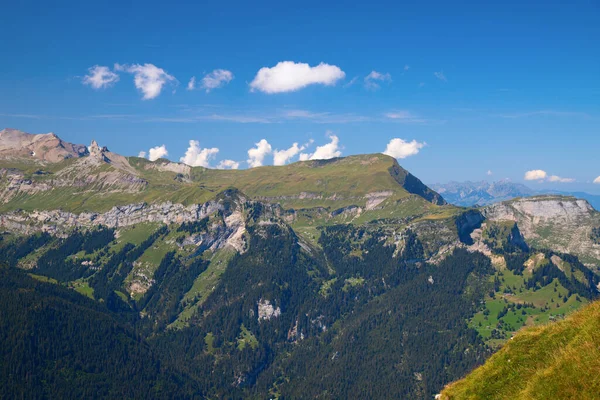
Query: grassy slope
554	361
332	183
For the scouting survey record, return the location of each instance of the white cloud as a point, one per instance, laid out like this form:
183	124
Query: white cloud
555	178
256	155
142	154
195	156
148	78
216	79
157	152
281	157
192	83
597	180
440	75
325	152
289	76
535	175
100	77
398	148
404	116
371	80
490	173
541	175
228	164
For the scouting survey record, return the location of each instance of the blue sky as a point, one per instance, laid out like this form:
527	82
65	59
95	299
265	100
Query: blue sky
468	87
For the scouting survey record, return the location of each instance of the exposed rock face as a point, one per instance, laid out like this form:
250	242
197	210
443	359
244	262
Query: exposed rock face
86	172
178	168
56	220
556	222
466	223
40	148
541	209
266	311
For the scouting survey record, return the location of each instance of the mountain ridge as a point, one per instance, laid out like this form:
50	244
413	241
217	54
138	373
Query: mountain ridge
340	182
482	193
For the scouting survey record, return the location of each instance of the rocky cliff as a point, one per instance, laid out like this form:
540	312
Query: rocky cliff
560	223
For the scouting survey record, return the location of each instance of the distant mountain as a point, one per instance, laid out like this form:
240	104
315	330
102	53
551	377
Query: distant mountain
482	193
16	144
468	194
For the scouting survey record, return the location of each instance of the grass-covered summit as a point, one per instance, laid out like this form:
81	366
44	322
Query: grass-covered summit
98	180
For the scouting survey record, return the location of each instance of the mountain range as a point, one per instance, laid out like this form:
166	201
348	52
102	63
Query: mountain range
469	194
339	278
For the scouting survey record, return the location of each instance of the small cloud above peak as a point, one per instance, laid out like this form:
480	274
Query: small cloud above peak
192	83
289	76
216	79
558	179
372	80
100	77
148	78
541	176
195	156
228	164
257	154
399	148
326	151
281	157
535	175
157	152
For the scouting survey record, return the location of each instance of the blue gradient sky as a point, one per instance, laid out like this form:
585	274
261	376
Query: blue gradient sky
521	88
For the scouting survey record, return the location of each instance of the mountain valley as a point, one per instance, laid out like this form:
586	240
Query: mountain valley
339	278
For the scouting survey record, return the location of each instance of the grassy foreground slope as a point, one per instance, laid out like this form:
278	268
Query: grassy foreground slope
555	361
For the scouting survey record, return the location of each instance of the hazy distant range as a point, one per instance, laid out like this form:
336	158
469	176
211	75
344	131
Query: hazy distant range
468	194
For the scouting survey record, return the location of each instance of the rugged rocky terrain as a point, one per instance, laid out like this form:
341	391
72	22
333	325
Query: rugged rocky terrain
282	281
43	148
560	223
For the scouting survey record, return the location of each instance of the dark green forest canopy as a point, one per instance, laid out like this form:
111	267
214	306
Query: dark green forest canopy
346	317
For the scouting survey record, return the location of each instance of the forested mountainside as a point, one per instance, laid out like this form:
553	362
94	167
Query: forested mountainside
345	278
55	343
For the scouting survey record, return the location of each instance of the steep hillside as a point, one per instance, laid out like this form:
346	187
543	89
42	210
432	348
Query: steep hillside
55	343
555	361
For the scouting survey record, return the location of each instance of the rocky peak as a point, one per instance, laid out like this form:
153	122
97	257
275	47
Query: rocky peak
98	153
16	144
